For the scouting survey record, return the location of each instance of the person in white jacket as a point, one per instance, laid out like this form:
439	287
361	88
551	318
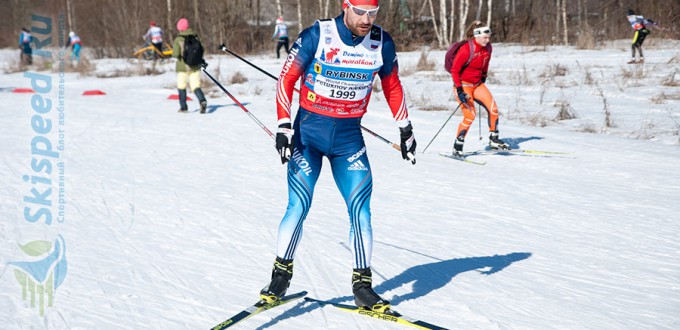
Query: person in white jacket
281	33
155	36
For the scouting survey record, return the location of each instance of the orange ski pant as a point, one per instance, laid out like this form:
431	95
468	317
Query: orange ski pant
481	95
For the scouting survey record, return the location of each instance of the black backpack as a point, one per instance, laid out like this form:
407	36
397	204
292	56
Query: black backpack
193	51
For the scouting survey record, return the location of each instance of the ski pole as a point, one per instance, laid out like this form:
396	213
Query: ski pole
240	105
394	145
479	120
447	120
223	47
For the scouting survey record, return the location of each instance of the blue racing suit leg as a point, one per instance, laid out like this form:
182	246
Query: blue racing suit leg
304	167
352	174
341	141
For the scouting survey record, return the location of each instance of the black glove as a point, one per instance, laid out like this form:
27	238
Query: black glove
461	94
204	64
284	142
408	143
483	78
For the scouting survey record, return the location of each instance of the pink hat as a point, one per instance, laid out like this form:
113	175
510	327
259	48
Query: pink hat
182	24
359	3
279	20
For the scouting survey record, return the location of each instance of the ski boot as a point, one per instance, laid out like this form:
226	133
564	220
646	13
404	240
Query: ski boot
458	147
182	93
497	144
281	276
201	98
631	61
364	296
183	110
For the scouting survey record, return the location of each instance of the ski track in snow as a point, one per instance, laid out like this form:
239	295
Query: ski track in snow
172	218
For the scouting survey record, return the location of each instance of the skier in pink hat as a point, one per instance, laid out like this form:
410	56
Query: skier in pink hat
188	51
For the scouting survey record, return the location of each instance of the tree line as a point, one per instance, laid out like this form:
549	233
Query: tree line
114	28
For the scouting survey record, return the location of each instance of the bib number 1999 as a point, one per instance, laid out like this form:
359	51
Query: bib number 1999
343	94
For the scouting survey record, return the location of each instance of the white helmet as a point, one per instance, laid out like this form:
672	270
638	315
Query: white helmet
71	34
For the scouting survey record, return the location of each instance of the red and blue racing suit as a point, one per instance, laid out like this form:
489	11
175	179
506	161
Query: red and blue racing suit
336	72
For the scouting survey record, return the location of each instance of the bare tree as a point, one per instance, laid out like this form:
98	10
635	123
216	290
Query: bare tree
505	19
444	22
197	22
464	7
488	13
113	27
557	16
69	14
279	10
564	22
452	16
324	6
299	13
168	27
437	33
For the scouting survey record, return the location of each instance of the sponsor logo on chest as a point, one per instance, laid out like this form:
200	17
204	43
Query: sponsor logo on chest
361	76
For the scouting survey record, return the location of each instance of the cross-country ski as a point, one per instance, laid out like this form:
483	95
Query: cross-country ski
257	308
388	316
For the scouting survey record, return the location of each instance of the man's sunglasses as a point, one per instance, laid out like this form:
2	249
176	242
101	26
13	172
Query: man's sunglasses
361	12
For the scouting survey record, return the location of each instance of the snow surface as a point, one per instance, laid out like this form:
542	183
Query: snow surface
171	218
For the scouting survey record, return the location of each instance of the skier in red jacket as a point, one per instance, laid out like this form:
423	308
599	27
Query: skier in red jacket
469	74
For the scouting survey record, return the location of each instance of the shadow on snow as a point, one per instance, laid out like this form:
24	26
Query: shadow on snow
426	278
515	142
213	107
